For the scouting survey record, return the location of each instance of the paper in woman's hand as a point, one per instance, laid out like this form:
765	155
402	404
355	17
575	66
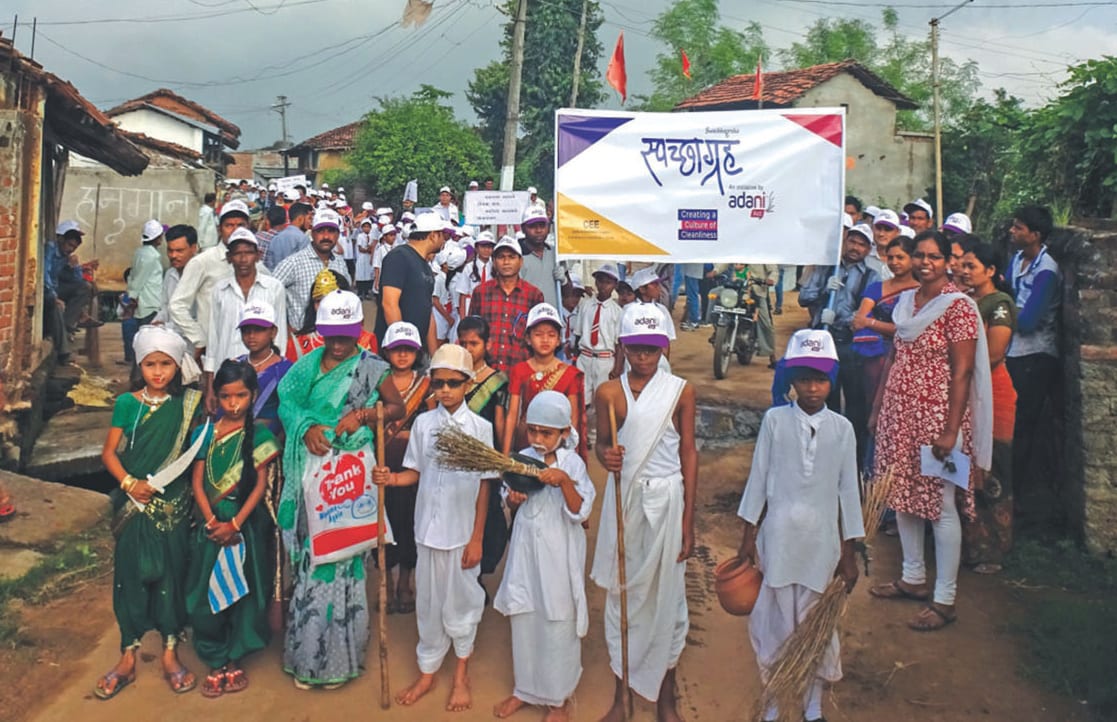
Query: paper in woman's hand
955	468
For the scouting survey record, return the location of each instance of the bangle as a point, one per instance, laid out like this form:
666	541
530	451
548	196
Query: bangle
233	521
211	519
127	483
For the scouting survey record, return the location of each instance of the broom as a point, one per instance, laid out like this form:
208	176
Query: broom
459	451
797	662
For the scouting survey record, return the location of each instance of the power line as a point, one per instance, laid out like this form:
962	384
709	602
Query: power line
185	17
941	7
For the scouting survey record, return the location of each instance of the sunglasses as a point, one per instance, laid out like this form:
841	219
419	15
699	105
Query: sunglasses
443	383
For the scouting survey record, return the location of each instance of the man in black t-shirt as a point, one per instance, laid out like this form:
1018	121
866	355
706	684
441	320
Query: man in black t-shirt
407	280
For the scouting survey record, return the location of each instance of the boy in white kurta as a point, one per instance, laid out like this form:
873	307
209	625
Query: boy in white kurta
804	470
543	590
657	461
597	324
449	524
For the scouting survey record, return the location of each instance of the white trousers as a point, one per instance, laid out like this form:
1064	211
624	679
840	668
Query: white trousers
546	659
449	602
948	547
596	372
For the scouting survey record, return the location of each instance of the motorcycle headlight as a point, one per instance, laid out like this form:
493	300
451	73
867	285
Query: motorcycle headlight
728	298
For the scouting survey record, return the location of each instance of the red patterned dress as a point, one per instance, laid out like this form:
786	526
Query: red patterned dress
914	409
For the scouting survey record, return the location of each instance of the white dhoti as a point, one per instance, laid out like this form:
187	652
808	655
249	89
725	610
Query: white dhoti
595	368
449	602
776	616
547	662
657	606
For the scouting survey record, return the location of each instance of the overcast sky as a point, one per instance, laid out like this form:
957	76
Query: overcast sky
331	58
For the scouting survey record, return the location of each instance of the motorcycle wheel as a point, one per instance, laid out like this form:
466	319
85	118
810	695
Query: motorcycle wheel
723	348
747	348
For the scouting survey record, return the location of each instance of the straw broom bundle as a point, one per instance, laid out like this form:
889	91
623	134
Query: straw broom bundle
798	659
459	451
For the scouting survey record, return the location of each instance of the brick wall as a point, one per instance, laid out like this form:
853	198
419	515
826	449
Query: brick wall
11	212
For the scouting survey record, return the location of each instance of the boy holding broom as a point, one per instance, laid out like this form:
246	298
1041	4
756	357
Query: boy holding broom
655	456
449	524
804	470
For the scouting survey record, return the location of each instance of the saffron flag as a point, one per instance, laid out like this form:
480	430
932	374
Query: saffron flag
686	64
616	74
758	81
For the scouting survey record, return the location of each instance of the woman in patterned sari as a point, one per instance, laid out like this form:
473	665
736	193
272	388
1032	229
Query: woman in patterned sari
150	428
327	402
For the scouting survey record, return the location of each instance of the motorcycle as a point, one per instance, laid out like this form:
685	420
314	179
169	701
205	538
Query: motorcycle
733	314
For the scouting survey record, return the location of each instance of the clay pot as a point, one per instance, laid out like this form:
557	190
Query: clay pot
738	585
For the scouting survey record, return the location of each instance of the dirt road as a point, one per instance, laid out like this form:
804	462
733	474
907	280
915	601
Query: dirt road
965	673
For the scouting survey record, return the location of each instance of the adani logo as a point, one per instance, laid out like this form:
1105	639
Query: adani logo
754	199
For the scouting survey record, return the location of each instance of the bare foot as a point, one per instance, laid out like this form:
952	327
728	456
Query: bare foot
667	706
415	692
508	707
615	713
461	697
558	714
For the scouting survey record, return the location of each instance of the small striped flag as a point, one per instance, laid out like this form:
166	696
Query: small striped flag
227	582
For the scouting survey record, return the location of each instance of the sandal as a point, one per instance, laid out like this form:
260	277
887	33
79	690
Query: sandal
181	681
924	622
214	684
119	682
235	680
894	590
7	511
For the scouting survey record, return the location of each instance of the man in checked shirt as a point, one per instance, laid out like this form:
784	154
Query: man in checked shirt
504	301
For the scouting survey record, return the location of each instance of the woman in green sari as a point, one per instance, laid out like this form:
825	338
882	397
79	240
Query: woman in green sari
326	402
150	428
229	583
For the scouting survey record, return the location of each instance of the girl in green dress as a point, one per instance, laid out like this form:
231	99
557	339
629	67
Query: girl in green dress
150	428
226	600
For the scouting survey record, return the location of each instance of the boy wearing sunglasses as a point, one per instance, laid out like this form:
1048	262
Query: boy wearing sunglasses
449	525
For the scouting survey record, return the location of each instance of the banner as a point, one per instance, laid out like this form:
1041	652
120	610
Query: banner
487	208
757	186
289	182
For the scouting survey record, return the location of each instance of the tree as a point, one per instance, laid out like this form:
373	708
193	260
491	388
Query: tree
417	137
831	40
550	44
715	51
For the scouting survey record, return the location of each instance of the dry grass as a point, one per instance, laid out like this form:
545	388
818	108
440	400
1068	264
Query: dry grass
459	451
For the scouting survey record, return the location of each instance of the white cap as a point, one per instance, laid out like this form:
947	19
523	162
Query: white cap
453	357
576	280
234	206
313	192
342	203
532	191
152	230
427	222
407	216
643	324
444	189
847	220
811	348
551	409
323	204
272	187
326	217
484	237
366	220
385	211
292	195
242	235
454	257
474	184
643	277
257	313
341	189
610	270
919	204
325	186
402	333
520	235
958	222
907	231
534	214
510	243
388	228
543	312
366	206
863	229
340	314
467	231
383	220
887	217
67	227
871	211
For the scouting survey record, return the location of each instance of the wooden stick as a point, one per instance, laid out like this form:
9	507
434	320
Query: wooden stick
385	687
622	576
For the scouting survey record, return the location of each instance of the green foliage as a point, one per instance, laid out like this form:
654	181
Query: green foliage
831	40
716	52
418	137
550	44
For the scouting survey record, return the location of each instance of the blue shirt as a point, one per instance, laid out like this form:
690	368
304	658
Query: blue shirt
856	278
1036	289
283	244
56	270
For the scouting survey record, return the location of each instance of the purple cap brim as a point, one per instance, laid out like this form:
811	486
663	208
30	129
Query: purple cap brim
955	229
646	339
402	343
823	365
262	323
353	330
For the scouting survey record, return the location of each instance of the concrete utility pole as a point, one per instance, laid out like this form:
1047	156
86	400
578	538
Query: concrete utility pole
936	82
512	120
578	55
281	106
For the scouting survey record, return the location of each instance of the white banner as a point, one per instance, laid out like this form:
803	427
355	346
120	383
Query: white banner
289	182
757	186
486	208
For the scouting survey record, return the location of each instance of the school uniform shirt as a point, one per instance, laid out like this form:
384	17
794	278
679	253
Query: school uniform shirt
225	311
364	257
804	469
446	502
607	320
